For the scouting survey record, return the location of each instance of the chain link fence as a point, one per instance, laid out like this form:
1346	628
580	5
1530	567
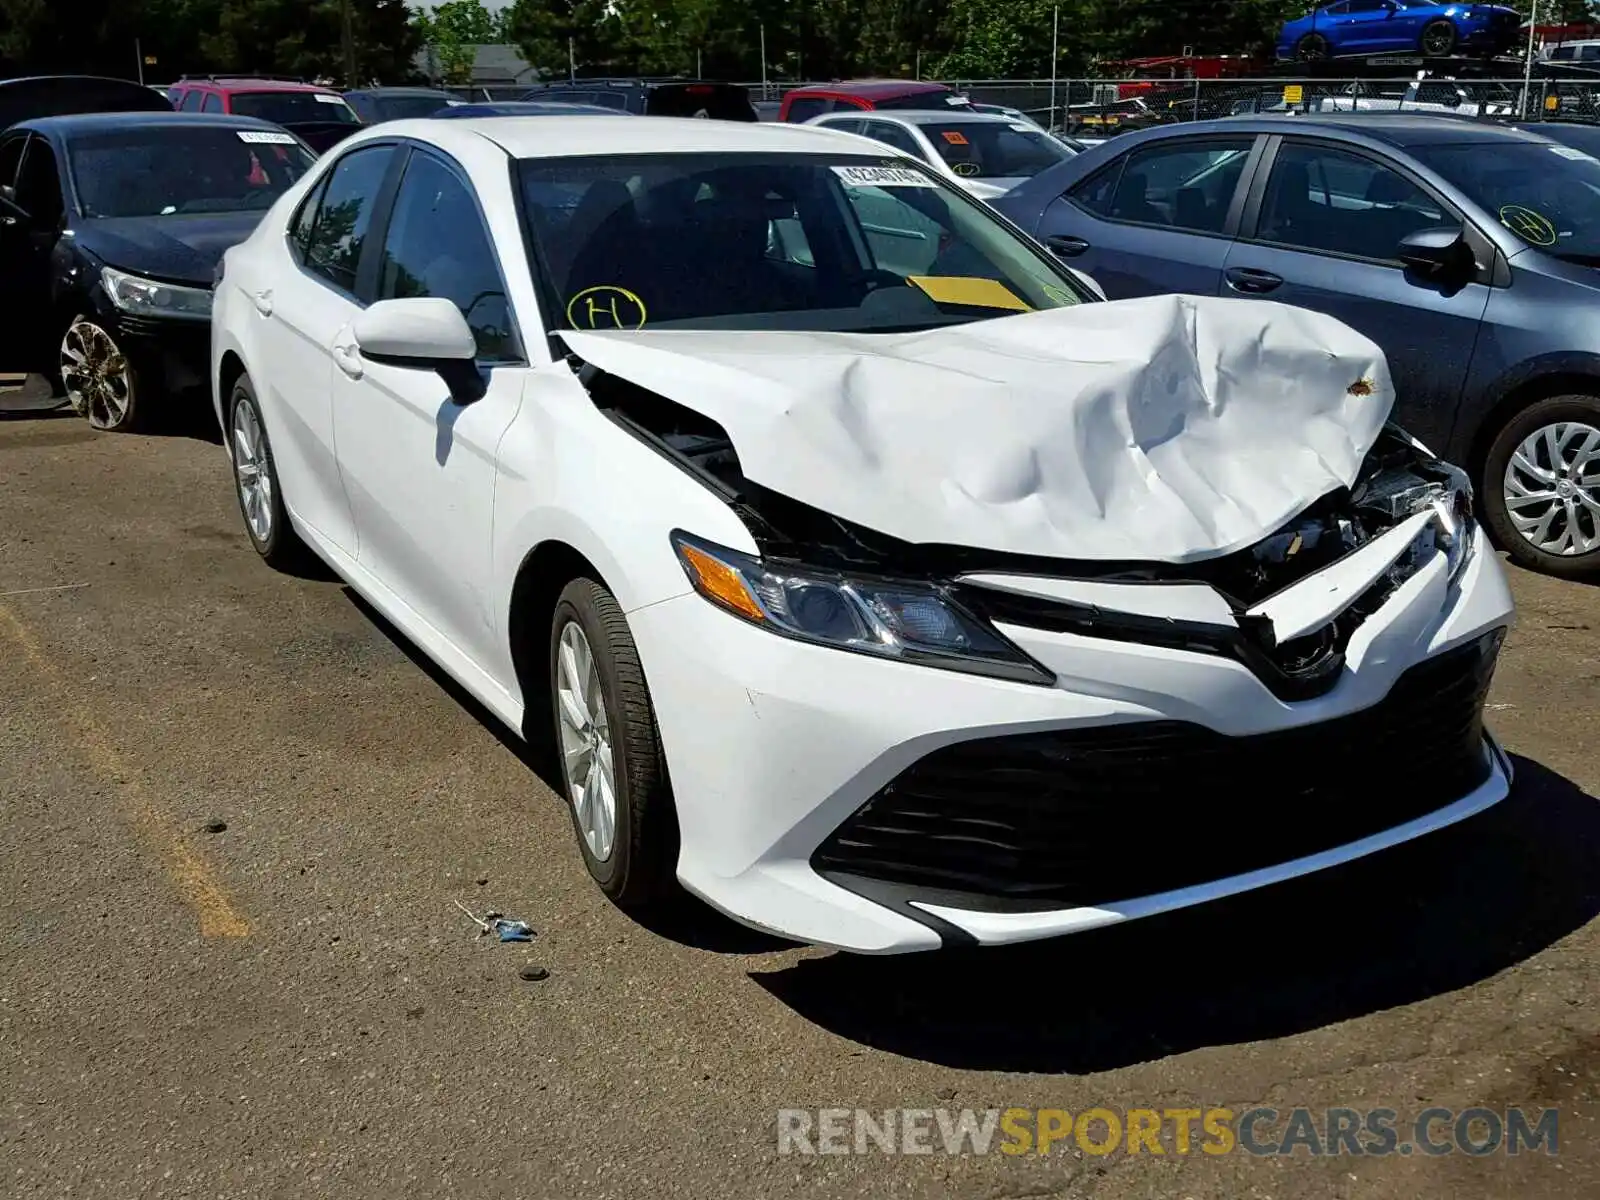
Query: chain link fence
1102	107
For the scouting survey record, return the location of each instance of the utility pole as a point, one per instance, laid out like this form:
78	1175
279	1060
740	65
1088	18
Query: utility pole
1055	62
1527	69
763	29
572	61
138	53
349	38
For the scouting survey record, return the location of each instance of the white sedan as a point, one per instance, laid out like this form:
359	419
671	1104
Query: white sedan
863	574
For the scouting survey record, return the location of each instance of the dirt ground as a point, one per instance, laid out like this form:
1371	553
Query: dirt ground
236	815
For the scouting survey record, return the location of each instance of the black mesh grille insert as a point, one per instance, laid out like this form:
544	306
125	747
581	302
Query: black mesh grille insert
1114	813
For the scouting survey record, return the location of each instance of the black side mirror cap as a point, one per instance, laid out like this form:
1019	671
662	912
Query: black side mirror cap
1442	250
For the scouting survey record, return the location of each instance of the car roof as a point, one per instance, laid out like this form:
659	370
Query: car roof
577	136
400	91
871	89
931	116
243	83
98	122
1401	129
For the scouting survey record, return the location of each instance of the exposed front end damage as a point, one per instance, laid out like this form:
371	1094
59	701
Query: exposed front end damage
1327	674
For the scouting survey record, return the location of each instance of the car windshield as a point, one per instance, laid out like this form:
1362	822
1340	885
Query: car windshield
287	108
1548	196
773	242
920	101
400	108
175	169
992	150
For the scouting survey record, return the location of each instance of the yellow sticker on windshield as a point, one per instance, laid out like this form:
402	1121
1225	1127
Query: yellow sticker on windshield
1528	225
969	291
606	307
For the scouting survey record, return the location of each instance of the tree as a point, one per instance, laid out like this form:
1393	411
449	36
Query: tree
452	30
306	37
550	33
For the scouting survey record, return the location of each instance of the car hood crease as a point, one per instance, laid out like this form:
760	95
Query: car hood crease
1164	429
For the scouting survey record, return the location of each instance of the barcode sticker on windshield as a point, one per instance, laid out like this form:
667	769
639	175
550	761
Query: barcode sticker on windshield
259	137
1569	152
882	177
324	98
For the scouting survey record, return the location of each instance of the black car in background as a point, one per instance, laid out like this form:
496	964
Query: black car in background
655	97
56	95
111	229
376	105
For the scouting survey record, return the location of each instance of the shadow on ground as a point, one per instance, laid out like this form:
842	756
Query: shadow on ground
685	919
1430	917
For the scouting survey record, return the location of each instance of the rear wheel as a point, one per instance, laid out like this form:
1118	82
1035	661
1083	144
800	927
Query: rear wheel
611	761
100	382
255	476
1542	486
1438	39
1313	47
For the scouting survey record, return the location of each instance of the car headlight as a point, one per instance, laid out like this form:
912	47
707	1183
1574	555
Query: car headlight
148	298
908	621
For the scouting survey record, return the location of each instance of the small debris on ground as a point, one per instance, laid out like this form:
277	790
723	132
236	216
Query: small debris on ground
507	928
533	973
214	826
482	879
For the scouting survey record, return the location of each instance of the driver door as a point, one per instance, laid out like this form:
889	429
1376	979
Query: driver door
418	464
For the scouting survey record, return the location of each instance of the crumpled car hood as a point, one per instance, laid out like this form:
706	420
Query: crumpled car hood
1165	429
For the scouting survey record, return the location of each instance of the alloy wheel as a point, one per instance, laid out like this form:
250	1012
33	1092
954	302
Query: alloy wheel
1438	40
97	376
587	759
252	471
1552	488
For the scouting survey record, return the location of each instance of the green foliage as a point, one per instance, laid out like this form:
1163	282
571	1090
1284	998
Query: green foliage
453	29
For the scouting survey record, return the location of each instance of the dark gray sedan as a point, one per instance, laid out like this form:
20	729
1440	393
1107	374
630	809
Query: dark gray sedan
1466	250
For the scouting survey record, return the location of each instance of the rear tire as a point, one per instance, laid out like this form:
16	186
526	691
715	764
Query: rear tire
1437	39
255	477
612	767
1541	487
1313	47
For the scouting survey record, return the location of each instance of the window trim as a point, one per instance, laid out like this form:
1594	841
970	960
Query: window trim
1238	203
1251	221
382	220
383	198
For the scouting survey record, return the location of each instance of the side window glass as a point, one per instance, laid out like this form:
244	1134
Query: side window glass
1331	201
893	135
807	107
11	158
1096	193
437	246
305	220
213	103
339	231
39	185
1181	184
191	101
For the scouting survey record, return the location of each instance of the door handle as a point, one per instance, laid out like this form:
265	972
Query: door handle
348	360
1249	279
263	302
1066	246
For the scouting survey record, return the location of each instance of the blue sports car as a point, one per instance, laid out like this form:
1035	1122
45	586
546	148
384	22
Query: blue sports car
1355	27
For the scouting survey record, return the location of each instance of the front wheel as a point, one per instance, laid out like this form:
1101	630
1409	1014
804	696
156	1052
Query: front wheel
1542	486
100	382
1438	39
611	762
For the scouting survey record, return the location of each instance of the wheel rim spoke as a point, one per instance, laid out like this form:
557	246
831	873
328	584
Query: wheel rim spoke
1547	491
584	726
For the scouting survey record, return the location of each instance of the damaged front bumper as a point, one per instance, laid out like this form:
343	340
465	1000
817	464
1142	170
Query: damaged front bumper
883	807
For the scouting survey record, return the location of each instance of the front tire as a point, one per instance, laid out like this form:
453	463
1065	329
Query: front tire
612	767
1541	487
100	383
1437	39
255	477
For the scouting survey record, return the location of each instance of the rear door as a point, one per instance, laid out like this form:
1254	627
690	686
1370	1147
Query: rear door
1322	229
25	295
1158	218
31	220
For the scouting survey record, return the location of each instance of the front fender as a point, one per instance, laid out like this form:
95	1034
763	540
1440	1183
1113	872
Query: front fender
1487	396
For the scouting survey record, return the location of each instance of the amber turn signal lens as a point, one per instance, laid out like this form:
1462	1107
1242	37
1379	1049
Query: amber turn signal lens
720	582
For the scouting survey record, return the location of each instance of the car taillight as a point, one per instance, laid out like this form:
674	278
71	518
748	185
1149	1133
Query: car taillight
700	89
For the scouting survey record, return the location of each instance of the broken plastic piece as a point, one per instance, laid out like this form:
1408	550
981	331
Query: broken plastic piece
512	931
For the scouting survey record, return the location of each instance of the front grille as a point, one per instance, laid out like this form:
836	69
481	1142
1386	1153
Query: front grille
1094	816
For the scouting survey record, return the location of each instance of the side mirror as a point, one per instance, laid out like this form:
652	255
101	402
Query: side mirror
1437	252
423	334
1088	281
